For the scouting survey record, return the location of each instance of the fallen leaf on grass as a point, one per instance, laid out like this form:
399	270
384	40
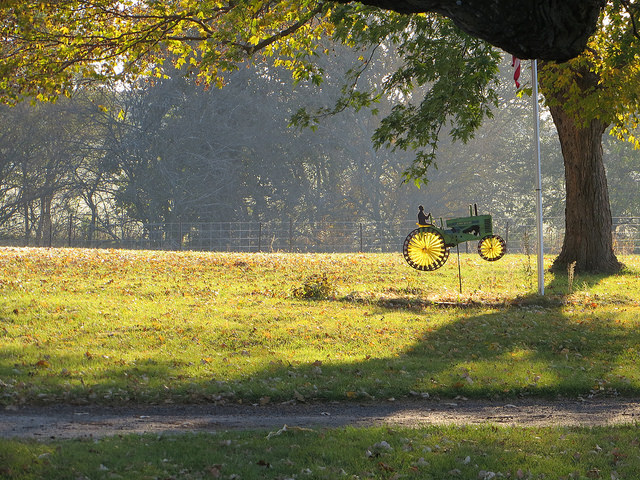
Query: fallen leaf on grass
617	455
484	475
379	448
285	428
421	463
215	471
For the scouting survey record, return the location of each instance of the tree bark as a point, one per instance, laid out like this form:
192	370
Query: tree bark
542	29
588	239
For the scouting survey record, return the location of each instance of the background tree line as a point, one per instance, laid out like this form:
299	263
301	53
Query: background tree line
171	150
442	82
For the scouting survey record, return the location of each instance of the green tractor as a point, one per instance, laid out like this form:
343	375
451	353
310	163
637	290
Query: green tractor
427	247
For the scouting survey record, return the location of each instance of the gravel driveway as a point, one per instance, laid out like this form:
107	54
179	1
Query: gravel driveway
96	421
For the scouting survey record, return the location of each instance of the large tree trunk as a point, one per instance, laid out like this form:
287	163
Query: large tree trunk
588	240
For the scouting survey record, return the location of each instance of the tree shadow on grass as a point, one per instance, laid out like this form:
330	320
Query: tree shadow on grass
545	347
558	345
554	345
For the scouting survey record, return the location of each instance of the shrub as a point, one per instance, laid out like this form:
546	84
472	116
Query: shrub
315	286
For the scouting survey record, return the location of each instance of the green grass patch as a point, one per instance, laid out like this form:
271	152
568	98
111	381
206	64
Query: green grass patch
472	452
98	326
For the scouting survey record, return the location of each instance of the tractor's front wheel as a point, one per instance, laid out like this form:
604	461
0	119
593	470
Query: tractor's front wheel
424	249
492	248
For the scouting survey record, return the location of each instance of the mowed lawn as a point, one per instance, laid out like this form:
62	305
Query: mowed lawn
115	326
118	327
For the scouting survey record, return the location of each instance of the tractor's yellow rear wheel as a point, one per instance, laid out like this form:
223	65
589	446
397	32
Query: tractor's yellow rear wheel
492	248
424	249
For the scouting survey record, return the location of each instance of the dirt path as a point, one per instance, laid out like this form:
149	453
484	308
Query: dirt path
93	421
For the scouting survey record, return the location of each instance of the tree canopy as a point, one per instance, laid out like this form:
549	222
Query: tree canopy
49	47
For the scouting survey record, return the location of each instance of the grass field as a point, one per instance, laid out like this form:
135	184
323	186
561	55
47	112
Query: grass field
120	326
113	327
438	453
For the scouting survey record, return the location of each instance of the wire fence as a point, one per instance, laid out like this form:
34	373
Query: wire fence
290	236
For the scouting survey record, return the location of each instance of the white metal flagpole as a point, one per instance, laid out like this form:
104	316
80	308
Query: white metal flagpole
536	123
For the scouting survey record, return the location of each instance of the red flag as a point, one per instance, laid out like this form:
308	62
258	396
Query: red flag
515	62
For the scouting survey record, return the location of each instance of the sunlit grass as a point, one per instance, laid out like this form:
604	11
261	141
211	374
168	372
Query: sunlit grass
116	326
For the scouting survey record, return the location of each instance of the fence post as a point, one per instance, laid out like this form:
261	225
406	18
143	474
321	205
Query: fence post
360	237
290	235
260	237
70	227
507	235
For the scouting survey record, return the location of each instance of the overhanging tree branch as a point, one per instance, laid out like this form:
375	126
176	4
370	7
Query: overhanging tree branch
632	11
540	29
